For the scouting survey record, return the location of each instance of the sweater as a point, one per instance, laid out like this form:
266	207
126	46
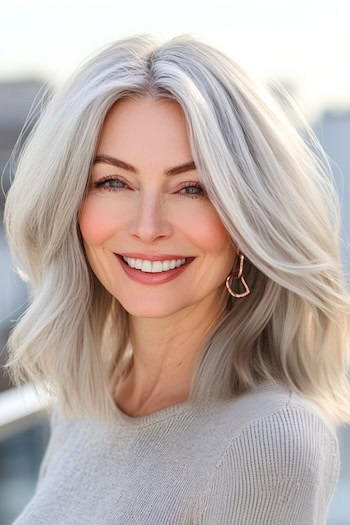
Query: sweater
268	457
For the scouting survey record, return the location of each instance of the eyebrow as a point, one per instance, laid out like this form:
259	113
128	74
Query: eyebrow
107	159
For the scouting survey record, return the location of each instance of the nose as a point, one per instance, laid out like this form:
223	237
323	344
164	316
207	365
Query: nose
150	221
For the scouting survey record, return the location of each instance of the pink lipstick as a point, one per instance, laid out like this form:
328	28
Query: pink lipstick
153	278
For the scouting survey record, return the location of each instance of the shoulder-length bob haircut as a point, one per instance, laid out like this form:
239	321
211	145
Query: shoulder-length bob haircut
272	186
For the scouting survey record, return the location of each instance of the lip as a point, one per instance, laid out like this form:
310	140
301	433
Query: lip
154	256
152	278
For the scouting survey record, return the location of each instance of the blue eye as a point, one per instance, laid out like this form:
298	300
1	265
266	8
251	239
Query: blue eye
113	182
101	183
191	194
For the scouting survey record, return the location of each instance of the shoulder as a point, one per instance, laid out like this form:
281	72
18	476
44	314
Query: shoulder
62	433
283	457
283	431
292	440
279	408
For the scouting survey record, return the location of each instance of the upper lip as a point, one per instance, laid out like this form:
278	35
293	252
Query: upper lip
154	256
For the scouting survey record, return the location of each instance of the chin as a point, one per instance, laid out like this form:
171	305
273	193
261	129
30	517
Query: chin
151	309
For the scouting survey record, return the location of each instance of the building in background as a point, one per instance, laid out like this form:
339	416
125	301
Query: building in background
333	131
18	100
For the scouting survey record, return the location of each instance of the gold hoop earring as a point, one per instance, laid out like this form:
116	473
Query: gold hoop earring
239	276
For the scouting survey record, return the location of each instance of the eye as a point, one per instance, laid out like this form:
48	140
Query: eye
113	183
195	194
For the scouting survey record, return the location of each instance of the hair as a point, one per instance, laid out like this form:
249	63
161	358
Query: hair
272	186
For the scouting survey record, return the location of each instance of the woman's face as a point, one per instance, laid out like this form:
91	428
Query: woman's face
144	210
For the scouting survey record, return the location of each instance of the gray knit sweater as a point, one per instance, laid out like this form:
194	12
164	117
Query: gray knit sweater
268	458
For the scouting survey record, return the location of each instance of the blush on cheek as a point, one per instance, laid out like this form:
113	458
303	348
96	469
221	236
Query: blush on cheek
208	232
96	224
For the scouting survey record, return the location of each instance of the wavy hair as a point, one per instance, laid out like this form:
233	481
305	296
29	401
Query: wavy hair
272	186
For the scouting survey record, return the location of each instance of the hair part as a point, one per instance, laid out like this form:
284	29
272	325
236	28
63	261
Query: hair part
272	186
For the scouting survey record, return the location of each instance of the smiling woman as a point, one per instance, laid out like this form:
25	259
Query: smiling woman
149	212
189	315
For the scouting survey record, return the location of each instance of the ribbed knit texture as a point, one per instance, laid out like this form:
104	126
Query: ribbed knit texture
270	457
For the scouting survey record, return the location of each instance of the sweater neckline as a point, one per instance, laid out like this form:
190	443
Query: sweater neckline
135	422
153	417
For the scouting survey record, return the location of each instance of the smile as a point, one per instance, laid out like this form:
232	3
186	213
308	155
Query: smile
154	266
153	272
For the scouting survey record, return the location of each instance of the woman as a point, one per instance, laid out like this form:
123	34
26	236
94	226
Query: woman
189	314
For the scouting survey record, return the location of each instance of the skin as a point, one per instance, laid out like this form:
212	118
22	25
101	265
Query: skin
152	212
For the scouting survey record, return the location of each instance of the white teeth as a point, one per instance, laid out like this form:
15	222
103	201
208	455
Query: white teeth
154	266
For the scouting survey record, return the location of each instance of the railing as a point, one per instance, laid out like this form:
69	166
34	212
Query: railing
20	409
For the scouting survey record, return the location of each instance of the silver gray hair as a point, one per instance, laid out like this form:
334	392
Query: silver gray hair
272	186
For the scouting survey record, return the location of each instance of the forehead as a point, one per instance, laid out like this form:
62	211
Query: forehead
145	113
145	125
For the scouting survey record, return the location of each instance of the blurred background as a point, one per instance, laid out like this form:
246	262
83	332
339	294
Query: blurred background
304	45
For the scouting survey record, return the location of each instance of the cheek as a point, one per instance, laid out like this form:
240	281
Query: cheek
97	222
98	219
207	231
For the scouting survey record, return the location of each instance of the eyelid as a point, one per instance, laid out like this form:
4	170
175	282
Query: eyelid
98	185
119	177
110	177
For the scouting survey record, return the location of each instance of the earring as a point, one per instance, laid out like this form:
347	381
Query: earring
239	276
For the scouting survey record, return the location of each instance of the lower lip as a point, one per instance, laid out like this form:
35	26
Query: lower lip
149	277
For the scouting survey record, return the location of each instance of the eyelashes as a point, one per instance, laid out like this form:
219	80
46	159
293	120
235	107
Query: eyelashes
101	185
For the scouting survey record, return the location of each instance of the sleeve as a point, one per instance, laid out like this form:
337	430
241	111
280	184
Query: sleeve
280	469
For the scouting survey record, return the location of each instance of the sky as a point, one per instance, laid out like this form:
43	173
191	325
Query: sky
305	44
